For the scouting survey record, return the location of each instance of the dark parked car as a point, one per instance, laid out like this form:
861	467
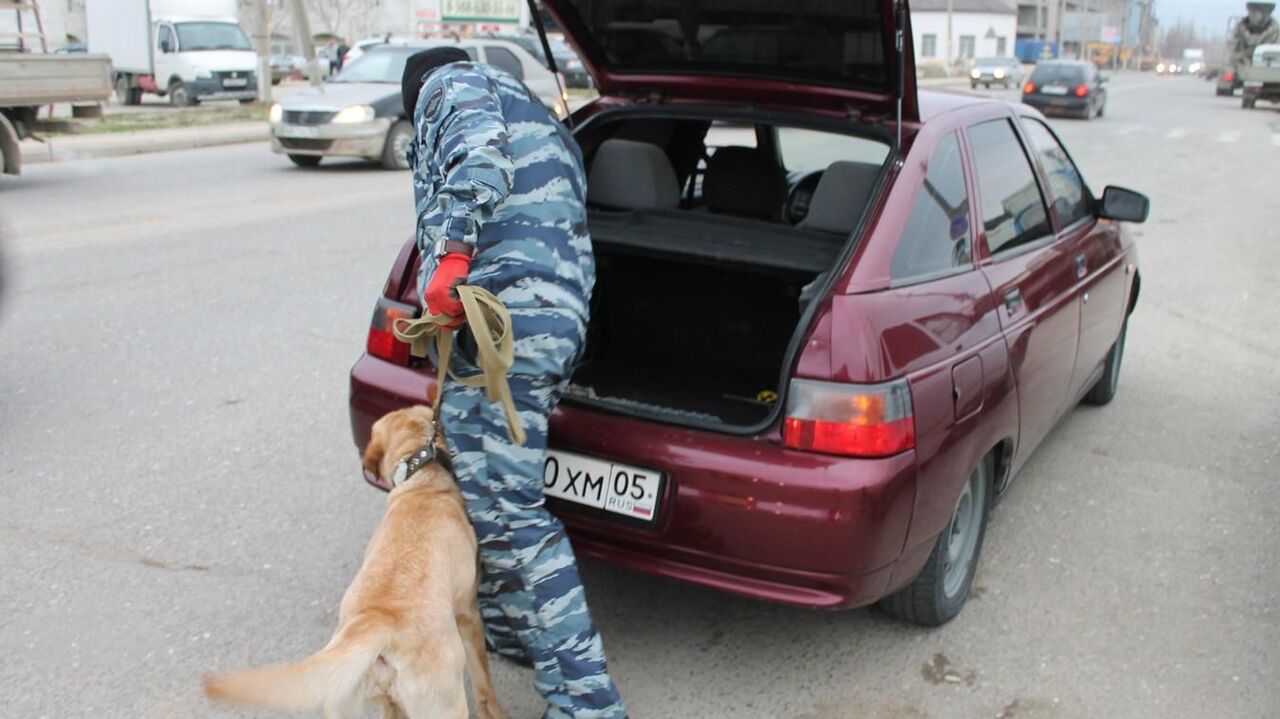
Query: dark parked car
568	64
1067	86
815	358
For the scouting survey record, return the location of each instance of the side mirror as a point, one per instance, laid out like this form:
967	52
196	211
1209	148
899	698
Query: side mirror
1124	205
166	46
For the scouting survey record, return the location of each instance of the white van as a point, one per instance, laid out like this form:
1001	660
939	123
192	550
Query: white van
187	50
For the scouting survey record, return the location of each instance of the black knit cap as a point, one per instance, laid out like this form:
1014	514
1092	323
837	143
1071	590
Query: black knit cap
419	66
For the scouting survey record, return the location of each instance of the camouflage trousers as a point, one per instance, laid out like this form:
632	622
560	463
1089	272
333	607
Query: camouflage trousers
531	598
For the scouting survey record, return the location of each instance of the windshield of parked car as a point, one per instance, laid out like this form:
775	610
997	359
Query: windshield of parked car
1057	73
195	36
383	64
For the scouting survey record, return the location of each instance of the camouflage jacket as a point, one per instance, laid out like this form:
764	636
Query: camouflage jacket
492	167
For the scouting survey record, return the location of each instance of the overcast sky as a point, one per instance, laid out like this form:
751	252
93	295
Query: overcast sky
1209	15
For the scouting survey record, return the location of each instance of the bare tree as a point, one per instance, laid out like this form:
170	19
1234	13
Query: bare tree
337	17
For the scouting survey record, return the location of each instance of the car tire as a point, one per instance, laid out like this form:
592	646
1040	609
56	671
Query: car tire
397	145
1248	103
938	593
125	94
1104	390
1227	92
305	160
986	85
179	97
973	86
247	100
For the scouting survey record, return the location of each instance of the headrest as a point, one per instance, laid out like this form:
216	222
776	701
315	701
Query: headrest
744	181
628	175
840	196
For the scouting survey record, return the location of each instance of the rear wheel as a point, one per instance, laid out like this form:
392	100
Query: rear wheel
305	160
126	94
937	595
395	151
1105	389
1248	103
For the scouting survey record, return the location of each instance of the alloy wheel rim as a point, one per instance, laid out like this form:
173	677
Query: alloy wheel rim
400	146
962	535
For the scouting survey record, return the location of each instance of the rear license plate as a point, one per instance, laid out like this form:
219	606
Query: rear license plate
295	131
618	488
234	82
1054	90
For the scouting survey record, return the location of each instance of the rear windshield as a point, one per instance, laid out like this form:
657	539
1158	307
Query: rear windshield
837	43
1058	73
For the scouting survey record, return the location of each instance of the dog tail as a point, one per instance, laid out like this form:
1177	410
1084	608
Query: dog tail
324	676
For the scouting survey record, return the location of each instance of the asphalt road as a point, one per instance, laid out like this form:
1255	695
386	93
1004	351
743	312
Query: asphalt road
179	492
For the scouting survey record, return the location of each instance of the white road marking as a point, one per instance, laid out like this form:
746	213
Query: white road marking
1129	130
1175	134
1228	136
1275	140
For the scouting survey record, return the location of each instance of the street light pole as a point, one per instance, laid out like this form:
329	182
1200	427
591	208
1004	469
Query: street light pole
263	41
950	56
302	26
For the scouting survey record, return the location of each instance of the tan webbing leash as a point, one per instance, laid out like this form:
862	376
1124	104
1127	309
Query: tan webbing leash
490	324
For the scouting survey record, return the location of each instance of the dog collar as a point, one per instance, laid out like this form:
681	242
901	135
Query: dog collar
406	467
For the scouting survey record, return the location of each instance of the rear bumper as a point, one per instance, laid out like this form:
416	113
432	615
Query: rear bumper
364	139
739	514
1051	104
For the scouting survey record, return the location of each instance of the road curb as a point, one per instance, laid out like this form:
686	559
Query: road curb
63	149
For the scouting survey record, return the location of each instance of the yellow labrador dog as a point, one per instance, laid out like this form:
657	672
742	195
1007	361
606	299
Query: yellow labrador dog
409	624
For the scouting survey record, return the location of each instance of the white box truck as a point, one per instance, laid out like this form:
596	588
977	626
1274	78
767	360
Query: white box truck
187	50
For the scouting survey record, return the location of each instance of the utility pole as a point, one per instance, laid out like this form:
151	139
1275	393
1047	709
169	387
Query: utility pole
302	28
950	10
262	39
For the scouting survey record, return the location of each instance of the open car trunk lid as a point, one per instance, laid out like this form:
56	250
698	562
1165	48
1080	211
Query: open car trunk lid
817	54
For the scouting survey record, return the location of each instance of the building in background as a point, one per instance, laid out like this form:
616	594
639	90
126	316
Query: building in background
1110	32
948	42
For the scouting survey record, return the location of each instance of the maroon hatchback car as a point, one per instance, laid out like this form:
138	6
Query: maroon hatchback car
822	340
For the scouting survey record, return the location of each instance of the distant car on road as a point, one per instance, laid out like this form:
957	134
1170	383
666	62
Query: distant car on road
1003	71
358	112
1170	67
1068	87
568	64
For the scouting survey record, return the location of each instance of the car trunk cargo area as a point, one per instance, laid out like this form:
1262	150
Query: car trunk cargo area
684	340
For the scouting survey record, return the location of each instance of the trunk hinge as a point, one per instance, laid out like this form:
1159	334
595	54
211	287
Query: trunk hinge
536	17
900	24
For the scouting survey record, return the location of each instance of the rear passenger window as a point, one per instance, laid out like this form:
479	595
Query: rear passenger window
505	60
1071	198
1013	211
937	236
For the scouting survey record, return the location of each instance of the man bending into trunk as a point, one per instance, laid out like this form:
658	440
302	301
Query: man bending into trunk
500	193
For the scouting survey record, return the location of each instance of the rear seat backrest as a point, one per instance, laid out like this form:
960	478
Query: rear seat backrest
629	175
840	196
744	181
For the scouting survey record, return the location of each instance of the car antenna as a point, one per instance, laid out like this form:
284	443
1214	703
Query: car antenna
899	22
536	16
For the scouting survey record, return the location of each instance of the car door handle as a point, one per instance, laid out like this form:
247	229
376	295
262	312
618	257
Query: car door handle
1012	299
1082	268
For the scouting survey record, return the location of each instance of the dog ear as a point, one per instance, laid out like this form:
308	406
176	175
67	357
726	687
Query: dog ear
377	447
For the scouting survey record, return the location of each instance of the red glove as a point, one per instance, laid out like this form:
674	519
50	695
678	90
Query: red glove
440	297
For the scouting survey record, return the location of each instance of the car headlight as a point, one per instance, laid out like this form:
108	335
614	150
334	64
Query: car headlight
1195	67
976	73
1160	67
202	73
276	114
999	73
353	115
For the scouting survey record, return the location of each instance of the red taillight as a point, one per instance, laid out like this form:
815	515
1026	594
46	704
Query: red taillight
382	343
855	420
1228	76
1029	88
1082	90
